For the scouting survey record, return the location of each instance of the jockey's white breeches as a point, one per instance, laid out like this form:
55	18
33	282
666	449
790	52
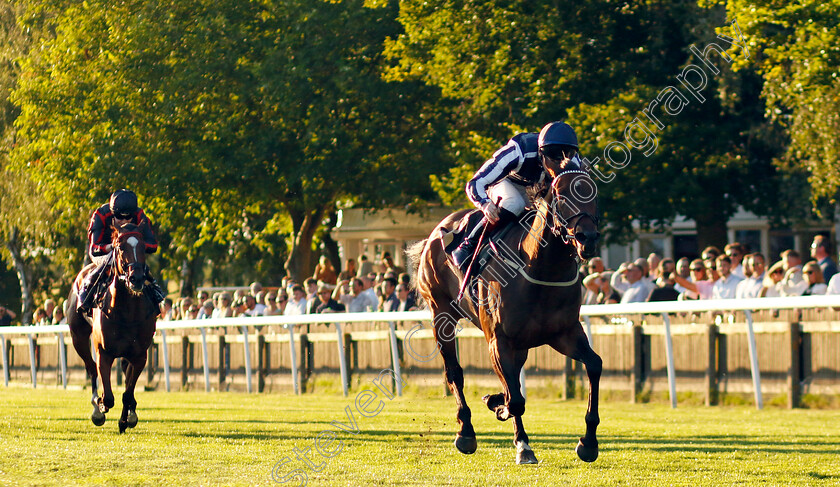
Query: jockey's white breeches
513	196
101	260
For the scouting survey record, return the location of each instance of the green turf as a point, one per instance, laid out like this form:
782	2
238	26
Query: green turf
46	438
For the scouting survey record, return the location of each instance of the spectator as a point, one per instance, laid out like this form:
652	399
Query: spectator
592	288
206	311
40	317
311	287
6	316
224	309
370	289
834	285
751	286
270	303
259	304
406	302
683	271
282	300
349	271
358	299
297	303
664	269
326	304
365	266
700	286
813	275
184	309
596	264
773	281
653	261
821	252
646	274
49	308
664	290
201	296
793	283
325	272
58	316
239	307
630	282
389	297
607	294
168	313
735	252
724	287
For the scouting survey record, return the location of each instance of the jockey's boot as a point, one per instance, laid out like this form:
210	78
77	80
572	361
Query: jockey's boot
154	291
462	256
89	290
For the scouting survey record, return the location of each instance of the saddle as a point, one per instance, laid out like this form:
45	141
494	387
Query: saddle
451	239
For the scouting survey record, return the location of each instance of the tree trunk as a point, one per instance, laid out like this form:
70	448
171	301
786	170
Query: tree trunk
331	246
23	277
299	265
191	271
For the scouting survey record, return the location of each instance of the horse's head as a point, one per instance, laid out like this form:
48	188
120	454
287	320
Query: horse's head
574	211
130	253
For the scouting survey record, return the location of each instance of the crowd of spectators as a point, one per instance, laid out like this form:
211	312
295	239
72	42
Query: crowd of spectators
356	288
731	274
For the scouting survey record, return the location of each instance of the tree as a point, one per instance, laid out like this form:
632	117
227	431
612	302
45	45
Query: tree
27	225
598	65
795	49
214	111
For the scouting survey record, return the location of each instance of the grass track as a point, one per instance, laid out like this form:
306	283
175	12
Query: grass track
46	438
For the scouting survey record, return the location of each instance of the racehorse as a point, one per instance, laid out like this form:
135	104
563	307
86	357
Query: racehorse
528	297
123	327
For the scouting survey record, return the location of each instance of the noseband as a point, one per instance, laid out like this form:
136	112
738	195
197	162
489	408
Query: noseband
558	203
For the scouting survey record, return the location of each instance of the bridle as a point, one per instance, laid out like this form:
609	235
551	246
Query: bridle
122	269
566	231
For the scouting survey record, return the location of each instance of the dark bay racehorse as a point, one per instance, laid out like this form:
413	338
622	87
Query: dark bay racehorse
529	298
123	327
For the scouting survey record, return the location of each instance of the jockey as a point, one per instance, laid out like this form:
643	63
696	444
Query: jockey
120	210
498	188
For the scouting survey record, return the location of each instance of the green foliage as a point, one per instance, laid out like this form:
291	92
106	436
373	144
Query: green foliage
795	46
214	111
597	65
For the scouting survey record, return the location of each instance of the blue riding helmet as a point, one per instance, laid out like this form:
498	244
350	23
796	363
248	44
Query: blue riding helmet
123	202
557	133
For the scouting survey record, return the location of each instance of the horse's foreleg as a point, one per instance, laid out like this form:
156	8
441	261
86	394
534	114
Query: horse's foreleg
133	369
579	349
105	362
508	364
465	440
81	342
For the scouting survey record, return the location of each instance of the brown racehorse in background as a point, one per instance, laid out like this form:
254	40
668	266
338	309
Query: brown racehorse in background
123	327
530	298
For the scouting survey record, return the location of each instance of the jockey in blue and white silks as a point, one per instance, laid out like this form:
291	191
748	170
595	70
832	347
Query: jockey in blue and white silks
498	188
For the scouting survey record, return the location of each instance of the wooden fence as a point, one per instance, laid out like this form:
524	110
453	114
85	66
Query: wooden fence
797	350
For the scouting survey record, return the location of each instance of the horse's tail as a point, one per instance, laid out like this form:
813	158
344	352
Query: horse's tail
413	253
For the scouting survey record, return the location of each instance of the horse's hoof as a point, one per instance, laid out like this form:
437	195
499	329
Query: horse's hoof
526	457
503	413
585	453
465	444
493	401
123	425
131	420
98	417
